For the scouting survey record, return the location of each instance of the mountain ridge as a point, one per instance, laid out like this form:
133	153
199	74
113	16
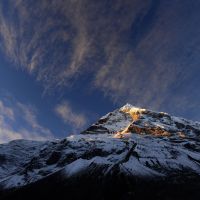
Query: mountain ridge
137	144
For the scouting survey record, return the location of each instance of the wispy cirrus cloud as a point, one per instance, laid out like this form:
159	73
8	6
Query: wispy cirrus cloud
136	51
70	116
19	121
49	39
6	111
56	40
30	116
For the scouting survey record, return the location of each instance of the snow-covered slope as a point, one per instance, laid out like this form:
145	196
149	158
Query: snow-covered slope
137	142
14	155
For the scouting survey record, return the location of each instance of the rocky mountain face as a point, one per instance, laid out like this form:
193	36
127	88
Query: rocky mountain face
130	153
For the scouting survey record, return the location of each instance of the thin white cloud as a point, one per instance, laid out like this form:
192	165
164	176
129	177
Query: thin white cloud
7	135
25	119
29	115
6	111
69	116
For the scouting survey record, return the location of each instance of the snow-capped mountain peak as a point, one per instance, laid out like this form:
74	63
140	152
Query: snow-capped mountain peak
128	107
130	141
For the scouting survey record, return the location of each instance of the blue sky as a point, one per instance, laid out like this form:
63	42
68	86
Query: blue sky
63	64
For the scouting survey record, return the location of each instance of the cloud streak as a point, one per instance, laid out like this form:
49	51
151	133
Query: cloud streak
19	121
69	116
